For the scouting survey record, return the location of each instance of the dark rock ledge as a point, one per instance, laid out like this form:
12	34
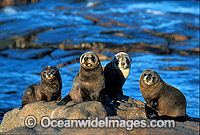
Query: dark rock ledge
129	108
5	3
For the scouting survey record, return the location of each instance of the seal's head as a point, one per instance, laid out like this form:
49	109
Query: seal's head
89	60
123	62
150	77
50	73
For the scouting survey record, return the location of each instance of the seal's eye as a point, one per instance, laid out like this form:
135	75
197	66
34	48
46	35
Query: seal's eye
127	61
86	58
145	74
53	72
93	58
44	73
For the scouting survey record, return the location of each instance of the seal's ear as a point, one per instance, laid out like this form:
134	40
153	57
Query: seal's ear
161	80
115	60
80	59
97	60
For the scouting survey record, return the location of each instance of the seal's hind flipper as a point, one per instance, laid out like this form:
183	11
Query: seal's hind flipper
65	100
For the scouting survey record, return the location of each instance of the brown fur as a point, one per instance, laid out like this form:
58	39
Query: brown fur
47	89
88	84
164	98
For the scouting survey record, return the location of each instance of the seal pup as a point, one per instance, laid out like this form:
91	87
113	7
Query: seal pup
49	89
116	72
162	97
88	84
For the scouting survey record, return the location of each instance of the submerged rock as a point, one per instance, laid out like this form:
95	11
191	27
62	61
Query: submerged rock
168	36
175	68
26	53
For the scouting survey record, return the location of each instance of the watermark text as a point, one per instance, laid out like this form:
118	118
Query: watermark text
128	124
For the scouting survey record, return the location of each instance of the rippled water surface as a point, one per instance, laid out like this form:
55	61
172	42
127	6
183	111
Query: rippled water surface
67	18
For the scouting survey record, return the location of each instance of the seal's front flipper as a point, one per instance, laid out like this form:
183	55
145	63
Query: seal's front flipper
24	103
65	100
21	107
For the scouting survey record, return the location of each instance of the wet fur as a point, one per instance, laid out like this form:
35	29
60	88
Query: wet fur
88	84
115	76
46	90
162	97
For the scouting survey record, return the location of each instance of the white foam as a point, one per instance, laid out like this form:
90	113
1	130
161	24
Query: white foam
9	10
93	3
154	12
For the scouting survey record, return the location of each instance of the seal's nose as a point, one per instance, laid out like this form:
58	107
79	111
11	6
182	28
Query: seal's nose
123	63
48	73
148	78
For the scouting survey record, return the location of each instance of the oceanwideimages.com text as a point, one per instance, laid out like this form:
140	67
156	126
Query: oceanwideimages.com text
128	124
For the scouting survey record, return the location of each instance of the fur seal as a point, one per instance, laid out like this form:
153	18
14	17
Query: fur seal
49	89
162	97
116	72
88	84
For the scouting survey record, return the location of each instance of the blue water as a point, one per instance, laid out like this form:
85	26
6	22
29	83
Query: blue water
16	75
69	19
18	70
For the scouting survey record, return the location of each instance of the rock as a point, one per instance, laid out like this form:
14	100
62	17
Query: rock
128	109
183	128
85	46
120	23
103	57
195	49
186	52
175	68
59	53
4	3
26	53
75	60
15	118
99	19
62	45
193	27
116	33
177	37
168	36
95	21
171	59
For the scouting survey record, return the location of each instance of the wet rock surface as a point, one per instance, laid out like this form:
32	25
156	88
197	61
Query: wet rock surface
181	128
74	22
16	117
129	108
